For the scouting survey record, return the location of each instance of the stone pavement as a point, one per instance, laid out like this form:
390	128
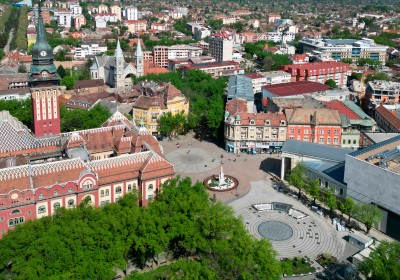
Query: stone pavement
311	237
198	164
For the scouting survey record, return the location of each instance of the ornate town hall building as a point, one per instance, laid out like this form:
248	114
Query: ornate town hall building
44	171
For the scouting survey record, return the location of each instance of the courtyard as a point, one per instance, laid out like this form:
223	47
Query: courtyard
308	237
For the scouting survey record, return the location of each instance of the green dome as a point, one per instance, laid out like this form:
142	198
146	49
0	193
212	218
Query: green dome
237	118
42	52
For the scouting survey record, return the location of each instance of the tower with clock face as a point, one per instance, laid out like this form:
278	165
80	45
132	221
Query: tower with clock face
44	82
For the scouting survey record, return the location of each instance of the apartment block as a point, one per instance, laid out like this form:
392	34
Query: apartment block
217	69
319	72
322	126
221	46
345	48
164	53
383	91
252	132
136	25
131	13
84	50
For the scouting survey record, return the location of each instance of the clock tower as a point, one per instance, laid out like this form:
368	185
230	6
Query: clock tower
44	82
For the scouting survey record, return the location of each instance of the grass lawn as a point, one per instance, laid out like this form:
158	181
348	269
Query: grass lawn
296	266
326	260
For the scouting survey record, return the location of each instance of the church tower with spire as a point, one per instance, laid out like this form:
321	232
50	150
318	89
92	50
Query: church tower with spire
139	59
44	82
119	79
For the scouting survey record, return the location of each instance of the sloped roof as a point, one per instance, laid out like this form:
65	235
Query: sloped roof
313	116
314	150
296	88
388	116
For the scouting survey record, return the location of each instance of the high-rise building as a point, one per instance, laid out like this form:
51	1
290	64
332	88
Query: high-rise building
221	46
131	13
45	85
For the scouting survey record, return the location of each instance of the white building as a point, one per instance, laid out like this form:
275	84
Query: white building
76	9
102	19
184	11
345	48
64	18
131	13
279	36
201	33
221	46
277	77
85	50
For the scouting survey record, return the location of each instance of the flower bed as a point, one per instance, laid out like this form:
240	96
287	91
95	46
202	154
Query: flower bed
296	266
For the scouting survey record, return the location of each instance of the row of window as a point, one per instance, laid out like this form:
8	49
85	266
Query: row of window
321	140
15	221
321	131
42	209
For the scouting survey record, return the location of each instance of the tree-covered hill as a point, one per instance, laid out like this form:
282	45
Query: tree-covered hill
88	243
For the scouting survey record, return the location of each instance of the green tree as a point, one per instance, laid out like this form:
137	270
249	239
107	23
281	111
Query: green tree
297	178
268	62
68	81
60	55
215	24
368	214
347	206
22	68
383	263
170	124
314	189
330	200
347	60
61	71
377	76
331	83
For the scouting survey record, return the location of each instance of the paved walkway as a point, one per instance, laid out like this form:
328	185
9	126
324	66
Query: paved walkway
312	236
198	164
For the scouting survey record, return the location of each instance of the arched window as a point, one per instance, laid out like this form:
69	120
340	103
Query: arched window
87	185
150	187
118	190
70	190
56	205
55	193
41	209
107	192
102	193
71	203
129	187
10	222
16	211
21	220
41	196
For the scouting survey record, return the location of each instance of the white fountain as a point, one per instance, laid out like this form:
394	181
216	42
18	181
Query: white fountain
221	178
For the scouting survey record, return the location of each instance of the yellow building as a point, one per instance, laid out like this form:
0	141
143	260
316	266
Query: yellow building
156	99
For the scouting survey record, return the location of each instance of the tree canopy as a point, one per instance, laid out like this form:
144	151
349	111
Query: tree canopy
368	214
88	243
383	263
331	83
205	94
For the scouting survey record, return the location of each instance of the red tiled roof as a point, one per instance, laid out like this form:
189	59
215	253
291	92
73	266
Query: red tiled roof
236	105
314	68
255	76
387	115
295	88
260	118
342	108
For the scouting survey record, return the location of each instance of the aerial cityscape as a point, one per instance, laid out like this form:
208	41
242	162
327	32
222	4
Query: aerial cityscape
199	140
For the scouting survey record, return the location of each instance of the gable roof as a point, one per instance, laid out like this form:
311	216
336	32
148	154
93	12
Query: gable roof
388	116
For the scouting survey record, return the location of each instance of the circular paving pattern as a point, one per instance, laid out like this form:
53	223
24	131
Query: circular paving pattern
275	230
308	236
